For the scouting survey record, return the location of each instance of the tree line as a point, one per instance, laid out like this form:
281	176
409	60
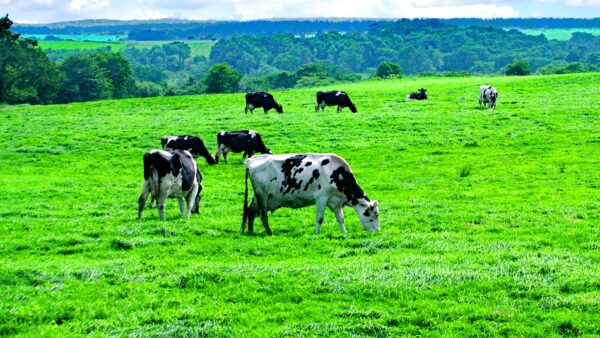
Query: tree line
419	46
173	29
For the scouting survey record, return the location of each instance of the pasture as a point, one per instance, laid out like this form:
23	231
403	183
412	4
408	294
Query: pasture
559	33
201	48
490	219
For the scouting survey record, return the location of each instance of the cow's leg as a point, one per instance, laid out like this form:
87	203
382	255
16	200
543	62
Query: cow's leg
225	155
320	214
262	209
317	107
339	216
191	200
143	198
252	210
181	205
160	202
339	109
246	109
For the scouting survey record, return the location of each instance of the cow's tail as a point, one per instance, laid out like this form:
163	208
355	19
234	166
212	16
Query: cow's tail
245	212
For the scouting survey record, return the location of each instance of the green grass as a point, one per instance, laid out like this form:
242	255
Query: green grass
201	48
490	219
560	33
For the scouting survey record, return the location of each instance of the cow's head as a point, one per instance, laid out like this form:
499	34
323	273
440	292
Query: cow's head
352	107
493	97
368	213
279	108
422	91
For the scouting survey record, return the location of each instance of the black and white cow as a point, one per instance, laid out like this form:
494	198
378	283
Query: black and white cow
193	144
488	94
301	180
262	99
171	174
248	141
334	98
420	95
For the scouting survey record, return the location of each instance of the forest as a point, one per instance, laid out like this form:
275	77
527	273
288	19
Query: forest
360	49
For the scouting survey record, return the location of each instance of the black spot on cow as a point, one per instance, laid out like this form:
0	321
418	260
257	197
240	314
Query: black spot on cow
308	164
290	168
325	161
319	187
300	170
315	176
273	179
346	184
367	213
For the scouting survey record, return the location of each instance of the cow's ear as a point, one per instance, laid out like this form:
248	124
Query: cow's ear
376	203
175	164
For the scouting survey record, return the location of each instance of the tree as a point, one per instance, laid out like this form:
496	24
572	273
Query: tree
222	78
179	49
388	70
519	67
26	73
84	80
118	71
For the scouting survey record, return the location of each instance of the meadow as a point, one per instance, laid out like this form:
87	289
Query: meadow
201	48
563	34
490	218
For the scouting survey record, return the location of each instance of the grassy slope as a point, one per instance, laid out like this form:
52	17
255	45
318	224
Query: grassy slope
197	47
560	33
512	248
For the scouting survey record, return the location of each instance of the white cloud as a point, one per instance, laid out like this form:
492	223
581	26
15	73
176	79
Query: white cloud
62	10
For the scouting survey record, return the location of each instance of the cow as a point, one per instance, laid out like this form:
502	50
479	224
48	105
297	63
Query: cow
262	99
171	174
193	144
334	98
248	141
420	95
300	180
489	95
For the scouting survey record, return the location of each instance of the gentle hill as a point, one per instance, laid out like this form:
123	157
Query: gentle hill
489	218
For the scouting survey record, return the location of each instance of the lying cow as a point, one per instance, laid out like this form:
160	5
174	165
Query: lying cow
420	95
171	174
262	99
334	98
193	144
247	141
301	180
488	94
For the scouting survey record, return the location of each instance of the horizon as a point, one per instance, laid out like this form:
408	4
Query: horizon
290	19
58	11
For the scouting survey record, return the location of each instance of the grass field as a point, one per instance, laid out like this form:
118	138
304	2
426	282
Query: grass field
490	219
560	33
197	47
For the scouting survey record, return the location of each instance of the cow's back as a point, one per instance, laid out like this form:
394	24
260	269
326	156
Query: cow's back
295	180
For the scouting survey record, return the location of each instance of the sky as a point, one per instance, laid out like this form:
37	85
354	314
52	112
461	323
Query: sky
46	11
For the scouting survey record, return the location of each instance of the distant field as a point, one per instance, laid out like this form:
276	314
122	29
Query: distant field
79	37
489	218
197	47
560	33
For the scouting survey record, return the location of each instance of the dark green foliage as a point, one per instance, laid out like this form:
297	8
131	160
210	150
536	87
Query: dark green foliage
519	67
118	72
222	78
26	73
84	80
418	46
388	70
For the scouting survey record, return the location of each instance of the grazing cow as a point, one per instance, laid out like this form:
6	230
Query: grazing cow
262	99
420	95
193	144
334	98
171	174
248	141
488	94
301	180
